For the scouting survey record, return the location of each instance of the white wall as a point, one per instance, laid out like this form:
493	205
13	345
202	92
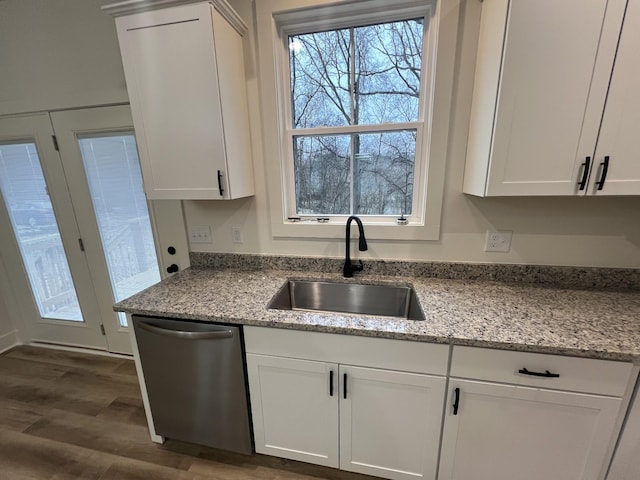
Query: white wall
64	53
58	54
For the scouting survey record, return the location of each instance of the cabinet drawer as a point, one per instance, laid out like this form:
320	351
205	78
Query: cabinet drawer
384	353
602	377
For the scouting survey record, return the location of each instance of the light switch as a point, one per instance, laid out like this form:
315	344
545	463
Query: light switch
200	234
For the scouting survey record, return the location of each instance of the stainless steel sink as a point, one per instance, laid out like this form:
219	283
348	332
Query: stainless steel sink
385	300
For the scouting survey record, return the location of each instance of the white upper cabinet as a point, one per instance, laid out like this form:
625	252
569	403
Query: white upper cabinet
619	140
543	72
184	68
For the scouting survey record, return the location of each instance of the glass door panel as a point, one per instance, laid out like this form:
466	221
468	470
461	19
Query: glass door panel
36	230
100	158
115	184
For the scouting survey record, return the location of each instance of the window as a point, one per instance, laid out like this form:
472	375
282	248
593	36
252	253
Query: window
362	84
352	86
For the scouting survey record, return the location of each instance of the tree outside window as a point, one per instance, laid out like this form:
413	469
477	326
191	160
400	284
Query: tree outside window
362	84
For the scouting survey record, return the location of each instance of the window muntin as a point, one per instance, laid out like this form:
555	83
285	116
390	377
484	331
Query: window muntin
362	86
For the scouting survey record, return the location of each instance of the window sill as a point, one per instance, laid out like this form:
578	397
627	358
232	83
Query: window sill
336	230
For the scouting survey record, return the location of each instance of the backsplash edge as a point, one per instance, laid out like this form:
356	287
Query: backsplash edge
548	275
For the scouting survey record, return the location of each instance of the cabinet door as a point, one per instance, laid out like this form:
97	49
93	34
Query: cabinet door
541	79
626	462
295	408
390	422
619	140
502	432
170	66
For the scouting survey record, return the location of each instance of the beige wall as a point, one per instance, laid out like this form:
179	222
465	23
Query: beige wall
555	231
64	54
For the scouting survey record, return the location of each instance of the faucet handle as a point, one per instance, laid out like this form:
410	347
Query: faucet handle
357	267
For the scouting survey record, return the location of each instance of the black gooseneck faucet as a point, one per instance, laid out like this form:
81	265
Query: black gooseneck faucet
349	267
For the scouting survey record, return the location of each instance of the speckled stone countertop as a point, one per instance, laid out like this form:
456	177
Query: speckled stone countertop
524	317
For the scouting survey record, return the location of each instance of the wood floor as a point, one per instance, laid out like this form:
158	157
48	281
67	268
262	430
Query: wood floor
66	415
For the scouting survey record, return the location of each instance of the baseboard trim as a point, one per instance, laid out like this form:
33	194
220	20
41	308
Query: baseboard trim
70	348
9	340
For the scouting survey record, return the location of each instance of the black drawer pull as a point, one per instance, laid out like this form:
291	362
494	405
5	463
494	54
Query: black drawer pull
585	174
331	383
456	401
545	374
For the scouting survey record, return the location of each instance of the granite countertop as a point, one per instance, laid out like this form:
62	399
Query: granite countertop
535	318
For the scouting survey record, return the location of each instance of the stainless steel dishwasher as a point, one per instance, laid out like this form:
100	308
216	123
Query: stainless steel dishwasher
196	382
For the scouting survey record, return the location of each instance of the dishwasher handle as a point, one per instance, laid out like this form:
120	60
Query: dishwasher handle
215	335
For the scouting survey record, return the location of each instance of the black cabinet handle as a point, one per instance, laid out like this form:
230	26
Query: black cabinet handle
585	174
545	374
331	383
603	175
456	401
345	385
220	183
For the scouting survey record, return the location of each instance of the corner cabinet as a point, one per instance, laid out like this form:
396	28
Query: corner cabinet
184	67
556	108
338	401
531	416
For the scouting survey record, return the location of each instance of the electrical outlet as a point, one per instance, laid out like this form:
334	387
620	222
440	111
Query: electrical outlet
200	234
236	235
499	241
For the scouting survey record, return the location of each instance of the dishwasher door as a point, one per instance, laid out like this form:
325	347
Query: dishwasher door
195	378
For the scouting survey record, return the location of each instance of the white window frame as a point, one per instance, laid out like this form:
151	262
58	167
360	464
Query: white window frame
276	20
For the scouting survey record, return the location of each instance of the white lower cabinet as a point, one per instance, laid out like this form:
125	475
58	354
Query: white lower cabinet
365	419
375	406
390	422
295	415
503	431
506	432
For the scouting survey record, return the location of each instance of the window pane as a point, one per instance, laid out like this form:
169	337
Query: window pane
322	174
380	64
319	69
115	182
378	180
388	63
25	195
384	165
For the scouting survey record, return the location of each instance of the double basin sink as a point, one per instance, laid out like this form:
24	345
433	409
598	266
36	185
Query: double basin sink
398	301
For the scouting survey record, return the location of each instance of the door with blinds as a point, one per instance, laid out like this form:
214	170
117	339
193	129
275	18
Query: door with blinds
83	231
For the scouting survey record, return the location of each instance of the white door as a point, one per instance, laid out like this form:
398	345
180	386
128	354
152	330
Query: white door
503	432
294	404
49	274
99	155
618	145
99	240
390	422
